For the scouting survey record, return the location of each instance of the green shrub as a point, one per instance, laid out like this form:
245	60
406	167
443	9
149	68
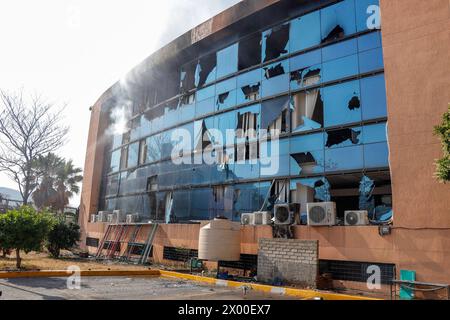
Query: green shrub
63	236
443	164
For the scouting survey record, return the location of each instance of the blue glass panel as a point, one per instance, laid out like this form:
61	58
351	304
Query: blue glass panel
361	13
371	60
205	93
226	86
249	86
249	78
201	200
146	128
306	77
305	32
275	42
171	115
369	41
225	121
274	158
248	199
117	141
181	205
305	60
226	94
153	148
307	163
338	20
133	155
307	110
373	97
205	107
375	133
376	155
246	169
115	161
340	68
340	159
307	143
342	104
339	50
227	61
187	112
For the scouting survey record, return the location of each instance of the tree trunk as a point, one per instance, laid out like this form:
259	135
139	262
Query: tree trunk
4	252
18	259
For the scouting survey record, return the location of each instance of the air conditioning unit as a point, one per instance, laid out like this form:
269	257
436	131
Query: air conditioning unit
283	214
132	218
110	218
356	218
248	219
262	217
94	218
119	216
321	213
103	216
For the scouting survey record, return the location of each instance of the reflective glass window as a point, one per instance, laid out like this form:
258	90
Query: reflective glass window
115	161
343	137
274	158
205	71
371	60
227	61
340	68
275	78
249	86
373	96
375	133
376	155
133	155
338	20
340	159
363	14
275	114
369	41
117	141
306	70
339	50
342	103
181	205
307	155
201	200
305	32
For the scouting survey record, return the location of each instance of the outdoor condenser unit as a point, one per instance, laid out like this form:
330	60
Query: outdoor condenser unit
132	218
103	216
262	217
283	214
321	213
356	218
248	219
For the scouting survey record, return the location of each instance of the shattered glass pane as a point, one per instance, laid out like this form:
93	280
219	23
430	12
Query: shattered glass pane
275	42
205	71
187	77
226	94
275	78
307	110
366	200
338	20
250	51
305	32
307	155
343	137
320	188
342	104
274	114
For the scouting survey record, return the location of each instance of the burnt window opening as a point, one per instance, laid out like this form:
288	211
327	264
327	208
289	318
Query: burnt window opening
337	137
187	78
274	115
250	52
204	138
306	77
179	254
276	42
205	70
274	71
126	137
152	183
305	161
252	92
247	124
354	103
337	33
187	99
307	110
279	193
247	151
92	242
223	97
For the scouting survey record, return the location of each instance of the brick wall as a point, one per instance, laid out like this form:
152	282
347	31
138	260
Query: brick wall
289	260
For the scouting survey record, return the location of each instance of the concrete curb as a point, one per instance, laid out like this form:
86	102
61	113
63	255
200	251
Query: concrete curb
84	273
299	293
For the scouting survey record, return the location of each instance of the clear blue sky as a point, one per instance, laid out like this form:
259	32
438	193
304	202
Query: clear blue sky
71	51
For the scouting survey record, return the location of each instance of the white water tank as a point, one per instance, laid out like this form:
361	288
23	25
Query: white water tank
220	240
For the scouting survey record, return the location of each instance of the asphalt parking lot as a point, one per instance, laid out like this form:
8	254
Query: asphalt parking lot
123	288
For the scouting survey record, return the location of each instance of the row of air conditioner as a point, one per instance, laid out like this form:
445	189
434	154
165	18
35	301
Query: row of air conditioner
318	214
116	216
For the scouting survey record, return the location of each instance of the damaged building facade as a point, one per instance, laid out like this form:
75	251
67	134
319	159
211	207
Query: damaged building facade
324	78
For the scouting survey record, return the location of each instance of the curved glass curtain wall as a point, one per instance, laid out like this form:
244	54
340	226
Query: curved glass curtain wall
318	78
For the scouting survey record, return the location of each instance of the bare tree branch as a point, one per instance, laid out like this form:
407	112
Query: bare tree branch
28	130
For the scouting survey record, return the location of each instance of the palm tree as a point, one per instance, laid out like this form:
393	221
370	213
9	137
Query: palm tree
58	182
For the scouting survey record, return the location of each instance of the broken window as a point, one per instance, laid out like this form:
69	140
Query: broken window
205	71
133	155
157	118
227	61
142	151
275	42
307	110
180	206
112	185
307	154
202	137
226	94
343	137
366	199
342	104
250	51
187	77
275	78
135	131
275	115
305	32
304	191
171	114
306	70
338	21
247	198
249	85
186	105
126	137
248	122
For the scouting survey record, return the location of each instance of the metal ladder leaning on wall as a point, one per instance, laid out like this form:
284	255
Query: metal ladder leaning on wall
117	233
